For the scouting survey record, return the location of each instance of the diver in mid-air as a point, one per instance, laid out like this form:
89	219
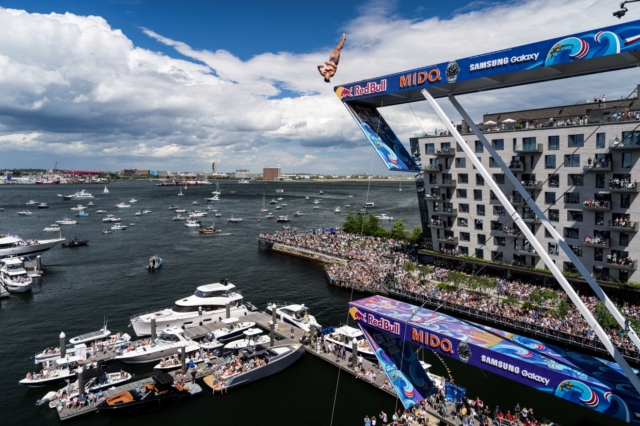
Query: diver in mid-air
331	67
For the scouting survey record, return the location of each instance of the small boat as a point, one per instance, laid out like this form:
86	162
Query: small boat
279	198
295	314
217	191
110	218
252	337
270	216
123	206
210	230
106	191
82	195
178	217
235	219
180	194
369	205
400	189
298	214
55	371
146	211
321	192
283	205
132	224
316	201
245	181
233	328
232	192
167	343
66	221
306	198
218	214
79	349
54	227
173	207
172	363
74	242
106	231
383	216
264	208
350	196
43	206
211	209
278	207
161	393
25	213
280	191
197	213
82	214
13	276
133	200
283	219
273	201
101	211
195	203
90	203
78	208
118	227
138	213
90	337
344	336
191	223
155	262
181	210
337	210
214	198
316	207
31	203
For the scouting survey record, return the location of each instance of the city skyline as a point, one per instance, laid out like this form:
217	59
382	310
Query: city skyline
112	85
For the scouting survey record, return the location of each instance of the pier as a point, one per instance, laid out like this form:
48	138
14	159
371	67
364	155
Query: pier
267	244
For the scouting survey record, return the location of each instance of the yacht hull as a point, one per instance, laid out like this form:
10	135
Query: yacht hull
44	245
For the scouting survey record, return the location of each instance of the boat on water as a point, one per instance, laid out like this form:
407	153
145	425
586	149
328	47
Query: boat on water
253	364
383	216
54	227
13	245
82	195
31	203
284	218
253	336
181	210
172	207
197	213
298	214
232	329
110	219
173	363
90	203
195	203
74	242
169	341
133	200
106	191
283	205
280	191
25	213
210	230
294	314
321	192
101	211
179	217
235	219
369	205
316	201
337	210
78	208
138	213
306	198
264	208
244	181
90	337
155	262
206	306
278	207
279	198
180	194
270	216
217	191
343	336
118	227
316	207
214	198
107	231
43	206
192	223
273	201
79	347
218	214
350	196
161	393
14	277
57	371
146	211
82	214
123	206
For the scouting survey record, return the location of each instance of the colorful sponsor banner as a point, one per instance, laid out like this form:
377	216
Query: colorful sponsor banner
389	148
582	379
454	392
558	51
402	367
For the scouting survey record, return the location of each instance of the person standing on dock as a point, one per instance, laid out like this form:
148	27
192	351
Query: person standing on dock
293	334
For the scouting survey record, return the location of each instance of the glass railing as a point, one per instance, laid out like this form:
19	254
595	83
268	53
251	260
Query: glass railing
626	143
528	147
602	164
623	184
621	224
525	247
529	216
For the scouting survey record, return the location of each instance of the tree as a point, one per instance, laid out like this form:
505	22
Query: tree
416	235
410	266
604	317
563	309
371	226
456	278
398	231
350	224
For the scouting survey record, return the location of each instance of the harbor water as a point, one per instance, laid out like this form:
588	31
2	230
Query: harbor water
107	279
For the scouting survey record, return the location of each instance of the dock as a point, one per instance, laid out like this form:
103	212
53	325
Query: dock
282	335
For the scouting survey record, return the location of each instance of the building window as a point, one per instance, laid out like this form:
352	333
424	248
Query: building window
464	207
480	208
477	194
479	147
577	250
464	250
554	215
497	256
499	178
572	160
600	140
500	241
599	219
625	201
462	193
477	224
624	239
598	254
574	215
461	162
463	178
550	161
576	180
429	148
496	225
554	142
599	180
482	239
463	222
626	160
479	180
498	210
479	254
465	236
576	140
550	197
553	248
554	181
572	198
529	144
572	233
498	144
547	234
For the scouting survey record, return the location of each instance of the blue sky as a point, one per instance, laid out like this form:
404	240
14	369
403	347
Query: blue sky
175	85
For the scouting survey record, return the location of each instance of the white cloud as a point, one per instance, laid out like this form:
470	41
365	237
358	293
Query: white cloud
73	85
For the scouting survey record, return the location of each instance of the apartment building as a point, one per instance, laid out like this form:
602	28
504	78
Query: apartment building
581	169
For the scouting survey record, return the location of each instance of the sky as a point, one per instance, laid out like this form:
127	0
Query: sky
167	85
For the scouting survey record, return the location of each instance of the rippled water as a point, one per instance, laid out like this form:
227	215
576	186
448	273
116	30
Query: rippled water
108	279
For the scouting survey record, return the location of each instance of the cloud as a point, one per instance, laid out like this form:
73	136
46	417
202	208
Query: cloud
74	85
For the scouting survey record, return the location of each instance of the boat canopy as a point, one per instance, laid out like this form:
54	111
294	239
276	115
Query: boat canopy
349	331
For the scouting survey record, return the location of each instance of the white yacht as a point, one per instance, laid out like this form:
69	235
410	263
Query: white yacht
197	213
218	214
31	203
181	210
101	211
123	206
168	342
279	198
278	207
233	328
383	216
337	210
110	219
294	314
51	354
55	371
245	181
118	227
192	223
344	336
316	207
25	213
13	245
283	219
138	213
252	338
235	219
82	195
133	200
217	191
102	381
270	216
54	227
298	214
179	217
214	198
14	277
146	211
66	221
78	208
273	201
180	194
211	298
316	201
369	205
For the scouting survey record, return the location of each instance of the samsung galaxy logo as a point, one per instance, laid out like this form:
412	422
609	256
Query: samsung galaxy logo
513	369
501	62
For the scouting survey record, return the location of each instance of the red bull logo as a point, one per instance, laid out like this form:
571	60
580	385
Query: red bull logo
357	90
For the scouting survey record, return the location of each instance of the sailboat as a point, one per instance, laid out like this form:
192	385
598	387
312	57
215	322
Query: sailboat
180	194
106	191
400	187
264	206
217	191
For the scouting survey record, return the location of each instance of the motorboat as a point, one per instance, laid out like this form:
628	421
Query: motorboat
133	200
211	209
123	206
43	206
172	363
146	211
78	208
110	219
306	198
90	337
288	228
169	341
79	348
74	242
138	213
13	245
90	203
54	227
132	224
206	306
283	205
107	231
383	216
66	221
101	211
196	203
257	363
218	214
14	277
192	223
279	198
280	191
82	214
214	198
269	216
210	230
294	314
173	207
244	181
232	329
252	337
25	213
197	213
54	372
350	196
321	192
155	262
278	207
264	208
316	201
235	219
148	396
179	217
82	195
337	210
283	219
181	210
369	205
316	207
298	214
31	203
273	201
343	336
65	197
118	227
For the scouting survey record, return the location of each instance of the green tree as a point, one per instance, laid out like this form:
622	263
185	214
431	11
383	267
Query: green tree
604	317
456	278
371	226
350	224
562	309
416	235
398	231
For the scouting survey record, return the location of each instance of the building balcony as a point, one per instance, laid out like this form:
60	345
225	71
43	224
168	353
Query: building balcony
597	166
596	242
625	226
438	224
628	188
451	152
520	148
530	218
509	234
433	197
596	205
532	184
624	144
517	166
516	201
448	240
524	249
432	168
446	183
631	266
449	212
